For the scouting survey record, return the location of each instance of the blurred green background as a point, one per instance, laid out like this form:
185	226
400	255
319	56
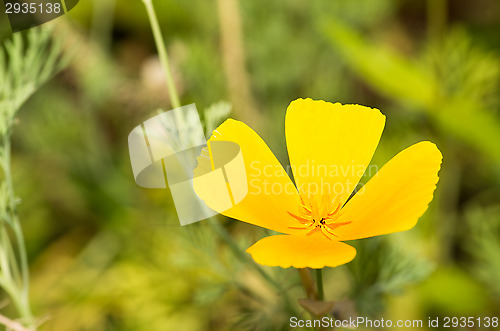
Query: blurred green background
106	254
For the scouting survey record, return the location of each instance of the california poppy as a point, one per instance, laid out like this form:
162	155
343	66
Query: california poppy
329	147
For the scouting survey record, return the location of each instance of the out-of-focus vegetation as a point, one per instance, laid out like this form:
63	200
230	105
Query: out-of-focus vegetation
25	64
106	254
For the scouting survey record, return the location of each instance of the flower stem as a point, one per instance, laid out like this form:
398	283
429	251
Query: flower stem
162	53
308	283
319	284
436	18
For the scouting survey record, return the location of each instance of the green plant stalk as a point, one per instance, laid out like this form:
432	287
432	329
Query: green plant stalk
25	64
162	53
65	9
307	283
20	293
436	19
102	22
319	284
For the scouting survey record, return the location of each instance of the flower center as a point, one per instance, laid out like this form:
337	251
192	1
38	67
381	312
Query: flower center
319	216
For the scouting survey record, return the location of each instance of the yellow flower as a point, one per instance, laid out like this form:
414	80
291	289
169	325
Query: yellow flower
329	147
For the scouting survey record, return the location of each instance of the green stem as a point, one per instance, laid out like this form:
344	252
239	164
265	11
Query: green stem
436	19
18	232
319	284
307	283
102	22
65	9
21	300
162	53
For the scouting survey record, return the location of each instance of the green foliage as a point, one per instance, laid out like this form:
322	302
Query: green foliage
483	225
382	268
215	115
451	95
25	64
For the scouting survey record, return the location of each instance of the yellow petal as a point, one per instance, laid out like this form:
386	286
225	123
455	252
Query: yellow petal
395	198
330	145
271	193
300	251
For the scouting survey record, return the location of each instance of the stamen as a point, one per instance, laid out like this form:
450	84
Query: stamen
312	231
325	207
305	212
315	211
333	226
305	205
300	219
319	213
299	227
328	230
